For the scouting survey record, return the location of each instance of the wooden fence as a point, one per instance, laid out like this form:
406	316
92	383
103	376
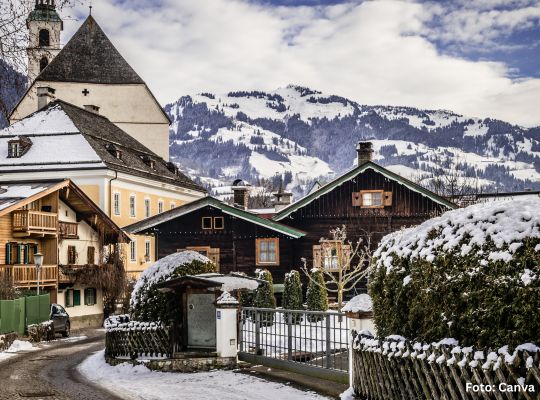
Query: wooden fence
135	339
399	369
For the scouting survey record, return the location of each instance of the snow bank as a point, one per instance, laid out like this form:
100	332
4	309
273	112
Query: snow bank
19	345
506	223
360	303
138	382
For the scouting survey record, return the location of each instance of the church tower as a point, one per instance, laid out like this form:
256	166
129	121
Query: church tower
44	26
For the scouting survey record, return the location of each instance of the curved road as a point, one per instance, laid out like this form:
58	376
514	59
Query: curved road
51	373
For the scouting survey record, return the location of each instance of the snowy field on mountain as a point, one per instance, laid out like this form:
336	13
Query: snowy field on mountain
138	382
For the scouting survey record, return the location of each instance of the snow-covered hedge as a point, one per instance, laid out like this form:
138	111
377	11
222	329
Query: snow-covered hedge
472	274
123	323
149	304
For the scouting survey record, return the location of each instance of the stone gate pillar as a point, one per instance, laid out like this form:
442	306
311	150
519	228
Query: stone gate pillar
226	325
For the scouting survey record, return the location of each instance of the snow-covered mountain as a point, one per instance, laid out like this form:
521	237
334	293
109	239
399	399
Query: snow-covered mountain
301	135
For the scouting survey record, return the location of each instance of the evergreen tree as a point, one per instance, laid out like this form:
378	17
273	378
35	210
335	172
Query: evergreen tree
292	294
317	296
264	296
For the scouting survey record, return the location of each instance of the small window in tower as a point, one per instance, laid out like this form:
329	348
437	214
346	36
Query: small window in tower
43	63
44	39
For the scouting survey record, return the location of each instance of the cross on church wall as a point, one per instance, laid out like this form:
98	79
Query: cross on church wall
86	92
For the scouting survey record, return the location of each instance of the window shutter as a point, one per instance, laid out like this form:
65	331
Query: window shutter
357	199
8	253
387	199
18	254
317	256
25	253
76	298
90	256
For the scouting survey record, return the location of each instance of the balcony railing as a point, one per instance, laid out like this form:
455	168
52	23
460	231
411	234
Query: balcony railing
30	221
67	229
26	275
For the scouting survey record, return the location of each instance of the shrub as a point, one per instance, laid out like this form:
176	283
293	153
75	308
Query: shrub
316	296
264	296
292	294
471	274
149	304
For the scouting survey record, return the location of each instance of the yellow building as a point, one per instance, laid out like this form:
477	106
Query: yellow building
89	117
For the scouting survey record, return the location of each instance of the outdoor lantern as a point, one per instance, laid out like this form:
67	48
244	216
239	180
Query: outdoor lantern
38	260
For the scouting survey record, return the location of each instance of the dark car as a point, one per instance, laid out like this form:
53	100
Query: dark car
60	319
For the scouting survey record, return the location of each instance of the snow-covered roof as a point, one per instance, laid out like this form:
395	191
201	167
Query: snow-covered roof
360	303
506	223
12	193
232	281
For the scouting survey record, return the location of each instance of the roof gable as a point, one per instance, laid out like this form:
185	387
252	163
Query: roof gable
90	57
352	174
223	207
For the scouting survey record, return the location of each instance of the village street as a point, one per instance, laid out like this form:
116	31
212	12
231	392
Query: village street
51	372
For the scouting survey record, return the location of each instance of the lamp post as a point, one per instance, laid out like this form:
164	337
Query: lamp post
38	260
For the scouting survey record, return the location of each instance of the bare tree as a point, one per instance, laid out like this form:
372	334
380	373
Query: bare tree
343	263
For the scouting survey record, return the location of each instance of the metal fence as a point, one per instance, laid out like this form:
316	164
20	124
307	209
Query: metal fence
311	342
16	314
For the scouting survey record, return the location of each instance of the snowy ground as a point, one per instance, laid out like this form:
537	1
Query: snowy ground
138	382
18	346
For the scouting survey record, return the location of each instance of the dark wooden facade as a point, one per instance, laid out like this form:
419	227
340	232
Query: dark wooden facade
334	209
236	241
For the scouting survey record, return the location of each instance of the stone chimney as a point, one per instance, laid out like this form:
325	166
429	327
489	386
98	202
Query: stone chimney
92	108
241	191
281	199
365	152
45	95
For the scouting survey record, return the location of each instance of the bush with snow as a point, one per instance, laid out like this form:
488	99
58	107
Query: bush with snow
472	274
293	298
149	304
264	296
317	295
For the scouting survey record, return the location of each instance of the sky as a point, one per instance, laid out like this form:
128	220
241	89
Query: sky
475	57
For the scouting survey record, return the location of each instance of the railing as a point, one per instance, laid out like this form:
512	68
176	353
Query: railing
310	339
26	275
400	369
34	221
67	229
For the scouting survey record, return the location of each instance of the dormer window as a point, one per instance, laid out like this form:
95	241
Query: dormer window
149	161
172	167
18	147
114	151
118	154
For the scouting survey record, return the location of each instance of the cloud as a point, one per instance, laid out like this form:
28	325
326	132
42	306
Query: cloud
375	52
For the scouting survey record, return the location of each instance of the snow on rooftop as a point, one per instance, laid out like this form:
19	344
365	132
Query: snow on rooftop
232	282
360	303
506	223
51	120
11	194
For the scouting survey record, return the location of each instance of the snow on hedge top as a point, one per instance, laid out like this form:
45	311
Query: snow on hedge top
507	223
164	268
360	303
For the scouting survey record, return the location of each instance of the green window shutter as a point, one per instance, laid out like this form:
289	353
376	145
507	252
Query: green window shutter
76	298
18	254
26	247
8	253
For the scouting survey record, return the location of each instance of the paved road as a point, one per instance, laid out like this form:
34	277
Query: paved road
51	373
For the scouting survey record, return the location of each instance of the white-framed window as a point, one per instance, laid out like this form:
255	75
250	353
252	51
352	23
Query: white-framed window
267	251
116	203
147	249
160	206
173	204
133	250
372	199
132	206
146	208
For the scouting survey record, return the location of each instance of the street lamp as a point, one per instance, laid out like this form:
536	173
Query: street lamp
38	260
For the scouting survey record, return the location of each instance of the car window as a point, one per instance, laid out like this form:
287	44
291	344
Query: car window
54	310
61	309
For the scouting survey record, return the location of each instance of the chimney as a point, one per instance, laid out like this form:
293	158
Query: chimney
92	108
365	152
45	95
241	190
281	199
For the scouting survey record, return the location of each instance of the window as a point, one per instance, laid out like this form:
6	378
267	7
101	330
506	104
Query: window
146	208
207	222
91	255
72	298
116	203
44	39
173	204
219	223
131	206
14	149
372	199
20	253
72	255
160	206
43	63
90	296
267	251
147	248
331	255
132	251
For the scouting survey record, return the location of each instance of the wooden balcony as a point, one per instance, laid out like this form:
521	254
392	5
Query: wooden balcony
68	230
34	223
25	276
68	273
